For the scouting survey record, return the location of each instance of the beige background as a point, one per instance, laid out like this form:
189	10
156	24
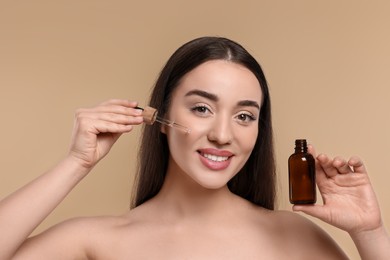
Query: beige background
327	63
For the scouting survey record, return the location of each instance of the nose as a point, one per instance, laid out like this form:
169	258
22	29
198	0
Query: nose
221	131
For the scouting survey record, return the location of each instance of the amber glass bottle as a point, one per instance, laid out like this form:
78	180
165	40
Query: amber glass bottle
301	168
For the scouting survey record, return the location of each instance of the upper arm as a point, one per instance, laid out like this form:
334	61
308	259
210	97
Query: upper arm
322	244
306	238
67	240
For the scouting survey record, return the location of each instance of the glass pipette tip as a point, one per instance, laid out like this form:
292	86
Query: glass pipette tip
150	116
173	124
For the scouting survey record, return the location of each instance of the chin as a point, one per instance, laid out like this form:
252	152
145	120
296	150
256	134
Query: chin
212	184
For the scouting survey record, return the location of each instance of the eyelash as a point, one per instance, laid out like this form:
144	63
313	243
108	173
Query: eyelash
203	110
248	117
200	109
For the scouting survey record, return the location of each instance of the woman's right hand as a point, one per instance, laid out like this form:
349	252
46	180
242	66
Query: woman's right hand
97	129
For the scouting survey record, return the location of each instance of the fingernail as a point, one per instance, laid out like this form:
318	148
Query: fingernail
138	112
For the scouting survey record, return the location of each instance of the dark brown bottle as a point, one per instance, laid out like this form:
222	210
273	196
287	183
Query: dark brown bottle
302	180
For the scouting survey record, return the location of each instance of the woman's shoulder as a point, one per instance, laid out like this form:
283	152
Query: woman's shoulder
97	236
83	224
84	229
73	238
288	225
298	234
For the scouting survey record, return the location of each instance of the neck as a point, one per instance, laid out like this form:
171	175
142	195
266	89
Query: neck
183	197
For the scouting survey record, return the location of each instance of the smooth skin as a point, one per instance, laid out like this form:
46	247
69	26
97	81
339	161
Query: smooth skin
194	216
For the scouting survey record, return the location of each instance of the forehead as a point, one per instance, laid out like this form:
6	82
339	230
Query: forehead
228	80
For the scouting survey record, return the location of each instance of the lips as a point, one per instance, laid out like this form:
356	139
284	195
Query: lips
215	159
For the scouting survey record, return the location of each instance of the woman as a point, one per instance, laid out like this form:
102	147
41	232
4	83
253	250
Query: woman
207	194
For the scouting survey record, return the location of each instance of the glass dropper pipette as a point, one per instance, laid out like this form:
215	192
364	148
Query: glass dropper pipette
150	116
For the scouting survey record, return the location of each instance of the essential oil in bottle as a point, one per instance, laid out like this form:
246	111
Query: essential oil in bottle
302	180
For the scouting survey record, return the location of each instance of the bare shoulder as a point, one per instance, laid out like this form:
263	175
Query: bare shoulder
71	239
299	235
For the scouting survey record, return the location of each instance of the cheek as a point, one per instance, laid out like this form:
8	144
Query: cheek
197	127
179	139
183	145
248	139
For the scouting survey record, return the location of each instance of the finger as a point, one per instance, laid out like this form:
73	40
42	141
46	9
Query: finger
317	211
311	150
320	173
321	176
121	119
114	112
341	165
108	127
88	125
113	118
357	165
327	165
117	109
120	102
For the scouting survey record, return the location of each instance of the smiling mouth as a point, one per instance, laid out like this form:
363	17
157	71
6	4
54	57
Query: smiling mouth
215	158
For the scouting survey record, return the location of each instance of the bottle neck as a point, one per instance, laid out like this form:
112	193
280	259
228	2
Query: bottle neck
300	146
301	149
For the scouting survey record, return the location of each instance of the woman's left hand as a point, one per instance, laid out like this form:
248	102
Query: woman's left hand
349	201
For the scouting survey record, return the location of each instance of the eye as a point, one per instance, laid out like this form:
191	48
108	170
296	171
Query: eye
245	118
201	110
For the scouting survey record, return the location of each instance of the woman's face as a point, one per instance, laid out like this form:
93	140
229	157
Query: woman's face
219	101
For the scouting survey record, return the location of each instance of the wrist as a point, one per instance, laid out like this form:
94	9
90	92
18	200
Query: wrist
81	158
372	244
76	165
371	233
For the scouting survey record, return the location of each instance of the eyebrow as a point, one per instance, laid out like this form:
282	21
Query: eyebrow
213	97
202	93
249	103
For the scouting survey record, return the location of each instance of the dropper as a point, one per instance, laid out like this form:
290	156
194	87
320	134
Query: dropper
150	116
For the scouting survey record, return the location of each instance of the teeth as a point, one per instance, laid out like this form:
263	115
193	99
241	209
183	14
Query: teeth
215	158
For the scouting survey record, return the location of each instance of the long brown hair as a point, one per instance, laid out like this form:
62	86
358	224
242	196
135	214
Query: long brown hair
256	180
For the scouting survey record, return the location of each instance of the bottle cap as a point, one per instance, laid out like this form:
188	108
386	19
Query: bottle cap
149	114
